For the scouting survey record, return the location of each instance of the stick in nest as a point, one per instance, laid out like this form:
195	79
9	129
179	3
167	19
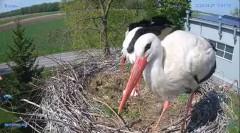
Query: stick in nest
174	123
121	120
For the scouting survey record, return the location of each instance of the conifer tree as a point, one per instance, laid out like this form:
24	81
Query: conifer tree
23	55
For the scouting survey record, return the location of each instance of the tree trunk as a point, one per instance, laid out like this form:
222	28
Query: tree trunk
105	11
106	48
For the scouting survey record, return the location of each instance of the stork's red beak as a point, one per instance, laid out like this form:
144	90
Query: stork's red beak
134	78
122	64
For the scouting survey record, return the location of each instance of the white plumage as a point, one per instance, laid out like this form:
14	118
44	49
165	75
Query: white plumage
129	56
173	62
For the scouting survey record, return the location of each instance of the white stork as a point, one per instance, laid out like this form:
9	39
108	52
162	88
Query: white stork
156	25
176	65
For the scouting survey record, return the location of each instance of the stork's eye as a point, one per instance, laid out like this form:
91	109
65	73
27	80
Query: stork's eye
147	47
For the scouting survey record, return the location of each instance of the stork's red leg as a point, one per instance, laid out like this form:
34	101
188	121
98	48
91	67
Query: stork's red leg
164	107
122	67
122	64
189	105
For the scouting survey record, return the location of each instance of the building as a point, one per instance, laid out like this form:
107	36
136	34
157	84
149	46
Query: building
224	33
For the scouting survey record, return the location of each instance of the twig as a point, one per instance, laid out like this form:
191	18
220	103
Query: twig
18	113
111	128
130	124
30	125
174	123
32	103
69	77
122	121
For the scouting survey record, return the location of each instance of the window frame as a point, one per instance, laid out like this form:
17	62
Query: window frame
224	51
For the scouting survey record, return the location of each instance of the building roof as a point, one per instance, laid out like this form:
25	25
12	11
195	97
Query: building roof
226	20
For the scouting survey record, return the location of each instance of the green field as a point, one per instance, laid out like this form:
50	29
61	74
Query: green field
21	17
7	117
48	37
198	13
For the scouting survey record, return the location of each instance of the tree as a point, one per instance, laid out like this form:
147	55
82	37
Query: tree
89	22
235	12
97	23
105	7
102	23
150	8
23	55
174	10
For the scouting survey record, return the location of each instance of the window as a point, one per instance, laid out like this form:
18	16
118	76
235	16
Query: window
229	49
220	53
220	46
223	50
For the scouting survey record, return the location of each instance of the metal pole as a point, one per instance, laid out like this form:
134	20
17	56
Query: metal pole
220	26
187	19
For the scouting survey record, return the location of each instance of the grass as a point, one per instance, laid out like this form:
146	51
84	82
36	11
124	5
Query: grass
234	126
21	17
7	117
47	37
133	114
182	98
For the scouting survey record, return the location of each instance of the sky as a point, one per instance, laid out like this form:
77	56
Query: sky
221	7
8	5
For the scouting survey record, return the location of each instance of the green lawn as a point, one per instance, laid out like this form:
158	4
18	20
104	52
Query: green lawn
47	36
234	125
6	117
21	17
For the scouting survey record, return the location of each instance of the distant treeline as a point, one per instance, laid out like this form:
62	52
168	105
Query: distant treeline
45	7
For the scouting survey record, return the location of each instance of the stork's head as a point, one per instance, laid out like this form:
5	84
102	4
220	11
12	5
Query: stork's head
145	50
135	30
126	45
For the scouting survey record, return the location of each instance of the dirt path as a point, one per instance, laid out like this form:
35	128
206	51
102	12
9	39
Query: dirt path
32	20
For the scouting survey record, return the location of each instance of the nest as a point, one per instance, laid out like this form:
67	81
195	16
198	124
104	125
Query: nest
67	106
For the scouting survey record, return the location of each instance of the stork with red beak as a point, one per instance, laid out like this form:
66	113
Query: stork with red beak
156	25
176	65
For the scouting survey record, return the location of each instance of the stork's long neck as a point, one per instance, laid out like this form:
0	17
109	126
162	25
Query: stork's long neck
155	67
